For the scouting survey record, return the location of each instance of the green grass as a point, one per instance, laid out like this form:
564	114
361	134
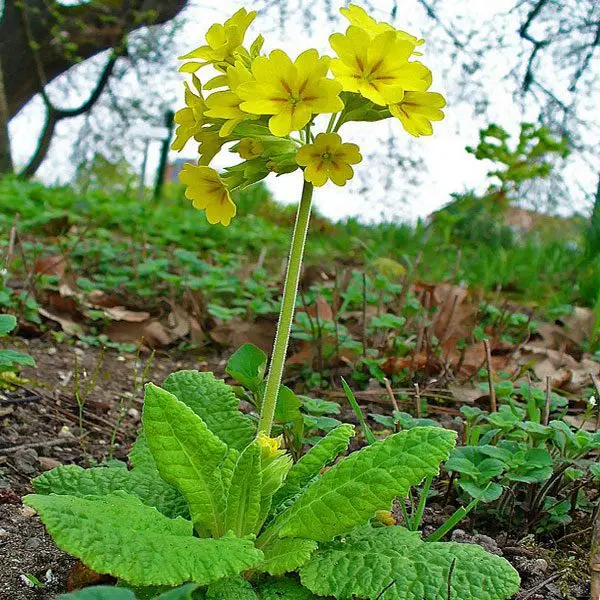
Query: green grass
145	251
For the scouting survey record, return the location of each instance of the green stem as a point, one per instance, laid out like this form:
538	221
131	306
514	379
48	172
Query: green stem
422	502
286	315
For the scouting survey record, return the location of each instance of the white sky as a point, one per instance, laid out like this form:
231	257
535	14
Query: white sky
447	166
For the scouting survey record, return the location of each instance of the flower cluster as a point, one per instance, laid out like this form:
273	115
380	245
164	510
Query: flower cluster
266	105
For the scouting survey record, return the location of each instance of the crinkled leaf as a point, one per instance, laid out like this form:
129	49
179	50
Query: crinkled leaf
350	493
247	365
119	535
285	588
283	555
363	563
243	498
100	592
215	403
188	455
234	588
310	465
72	480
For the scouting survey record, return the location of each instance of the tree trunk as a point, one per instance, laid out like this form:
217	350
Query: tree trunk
6	165
90	28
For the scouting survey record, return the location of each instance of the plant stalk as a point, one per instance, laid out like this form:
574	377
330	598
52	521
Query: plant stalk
286	315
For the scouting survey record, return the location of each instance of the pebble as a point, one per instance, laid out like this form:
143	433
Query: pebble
50	577
26	461
3	532
47	463
541	564
51	351
134	414
65	432
33	543
26	580
27	511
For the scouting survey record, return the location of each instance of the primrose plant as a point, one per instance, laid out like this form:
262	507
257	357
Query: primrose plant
212	502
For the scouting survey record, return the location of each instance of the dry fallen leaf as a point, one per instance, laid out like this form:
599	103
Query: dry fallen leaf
236	332
120	313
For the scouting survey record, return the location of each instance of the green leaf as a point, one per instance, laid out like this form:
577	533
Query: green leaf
7	324
72	480
119	535
244	496
140	456
366	561
283	555
230	589
181	593
285	588
188	456
595	470
11	357
324	452
215	403
100	592
488	492
247	365
287	409
274	468
355	488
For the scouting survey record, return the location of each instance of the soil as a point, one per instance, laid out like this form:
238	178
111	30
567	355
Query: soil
39	429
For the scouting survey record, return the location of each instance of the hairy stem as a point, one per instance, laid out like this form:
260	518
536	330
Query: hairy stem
286	315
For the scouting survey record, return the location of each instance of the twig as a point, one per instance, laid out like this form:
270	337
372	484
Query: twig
449	589
390	392
44	444
385	589
488	358
546	417
417	401
573	535
543	584
11	246
450	318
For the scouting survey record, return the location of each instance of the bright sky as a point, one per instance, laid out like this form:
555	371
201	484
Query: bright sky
447	167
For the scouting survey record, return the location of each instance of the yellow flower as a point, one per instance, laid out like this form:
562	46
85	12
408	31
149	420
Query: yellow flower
359	17
249	148
208	192
327	158
226	105
377	68
290	91
190	119
268	444
417	110
385	517
222	41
